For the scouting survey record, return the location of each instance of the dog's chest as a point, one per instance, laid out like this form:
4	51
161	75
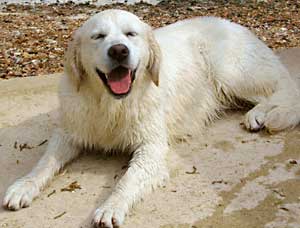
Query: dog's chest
104	126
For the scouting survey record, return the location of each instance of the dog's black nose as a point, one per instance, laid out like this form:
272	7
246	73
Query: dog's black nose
118	52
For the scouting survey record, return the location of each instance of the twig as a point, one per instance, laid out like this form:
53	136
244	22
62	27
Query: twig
60	215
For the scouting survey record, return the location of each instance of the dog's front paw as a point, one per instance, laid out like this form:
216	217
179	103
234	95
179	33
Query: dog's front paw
20	194
109	215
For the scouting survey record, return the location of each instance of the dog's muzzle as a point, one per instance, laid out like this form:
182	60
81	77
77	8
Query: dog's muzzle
120	79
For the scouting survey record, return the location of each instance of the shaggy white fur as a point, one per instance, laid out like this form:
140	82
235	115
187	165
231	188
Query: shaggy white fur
185	74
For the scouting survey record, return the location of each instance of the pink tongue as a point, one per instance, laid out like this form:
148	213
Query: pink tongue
119	81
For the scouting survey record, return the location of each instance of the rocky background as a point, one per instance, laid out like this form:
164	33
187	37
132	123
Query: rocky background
33	38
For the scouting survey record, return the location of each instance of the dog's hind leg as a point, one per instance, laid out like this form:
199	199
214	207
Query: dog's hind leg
260	78
280	109
60	150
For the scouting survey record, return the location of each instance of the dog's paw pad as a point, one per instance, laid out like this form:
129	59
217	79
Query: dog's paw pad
254	120
20	194
108	218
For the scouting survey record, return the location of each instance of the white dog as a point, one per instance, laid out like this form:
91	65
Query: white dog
129	88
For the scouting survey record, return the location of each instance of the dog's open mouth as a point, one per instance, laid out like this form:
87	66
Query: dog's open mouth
118	81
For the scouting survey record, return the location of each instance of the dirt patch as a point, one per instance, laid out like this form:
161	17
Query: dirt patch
33	38
224	145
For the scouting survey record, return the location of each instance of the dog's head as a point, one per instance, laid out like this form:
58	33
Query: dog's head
113	49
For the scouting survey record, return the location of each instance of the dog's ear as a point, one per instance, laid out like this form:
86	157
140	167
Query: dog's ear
154	58
73	66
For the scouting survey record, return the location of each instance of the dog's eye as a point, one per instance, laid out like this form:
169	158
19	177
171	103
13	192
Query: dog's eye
98	36
131	34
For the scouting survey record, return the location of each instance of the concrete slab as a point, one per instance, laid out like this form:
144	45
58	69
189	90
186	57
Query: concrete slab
242	179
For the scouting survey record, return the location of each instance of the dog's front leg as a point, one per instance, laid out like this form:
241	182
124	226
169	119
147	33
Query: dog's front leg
61	149
147	169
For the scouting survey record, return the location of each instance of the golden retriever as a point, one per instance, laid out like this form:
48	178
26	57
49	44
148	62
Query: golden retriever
130	88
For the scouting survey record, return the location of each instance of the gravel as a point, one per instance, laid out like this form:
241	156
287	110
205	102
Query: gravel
33	38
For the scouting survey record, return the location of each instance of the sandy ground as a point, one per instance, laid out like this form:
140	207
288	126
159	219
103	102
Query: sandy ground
242	179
